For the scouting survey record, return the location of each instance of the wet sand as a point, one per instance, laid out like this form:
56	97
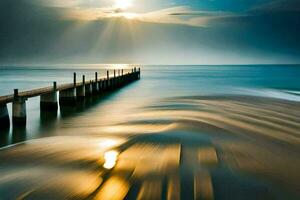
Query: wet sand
193	147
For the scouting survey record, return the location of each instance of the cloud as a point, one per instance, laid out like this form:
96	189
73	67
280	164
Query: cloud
56	3
182	15
101	10
278	6
68	33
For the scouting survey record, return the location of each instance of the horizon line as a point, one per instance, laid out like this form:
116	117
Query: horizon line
137	64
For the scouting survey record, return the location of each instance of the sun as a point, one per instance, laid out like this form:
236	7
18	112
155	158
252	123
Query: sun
122	4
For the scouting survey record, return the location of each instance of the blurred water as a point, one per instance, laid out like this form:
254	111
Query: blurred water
157	82
183	80
189	132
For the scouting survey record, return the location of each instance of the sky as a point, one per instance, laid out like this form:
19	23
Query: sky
149	31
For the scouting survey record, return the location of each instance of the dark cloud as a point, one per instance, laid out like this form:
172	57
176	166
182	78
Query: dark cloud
200	13
278	6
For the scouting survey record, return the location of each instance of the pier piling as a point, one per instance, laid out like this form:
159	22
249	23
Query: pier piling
19	109
67	97
114	79
48	101
80	90
139	73
95	87
95	84
4	117
88	89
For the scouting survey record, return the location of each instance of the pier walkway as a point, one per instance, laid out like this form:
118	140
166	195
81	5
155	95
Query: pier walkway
69	94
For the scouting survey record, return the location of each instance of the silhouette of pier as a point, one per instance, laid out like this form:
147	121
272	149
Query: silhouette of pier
69	95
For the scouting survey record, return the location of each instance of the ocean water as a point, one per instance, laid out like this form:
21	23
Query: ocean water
195	132
157	83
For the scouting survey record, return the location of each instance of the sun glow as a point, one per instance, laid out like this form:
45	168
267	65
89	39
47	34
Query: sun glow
123	4
130	15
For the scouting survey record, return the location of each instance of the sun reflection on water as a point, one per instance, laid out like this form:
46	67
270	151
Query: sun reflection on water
119	66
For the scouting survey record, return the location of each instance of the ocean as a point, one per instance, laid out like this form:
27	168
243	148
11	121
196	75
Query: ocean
240	122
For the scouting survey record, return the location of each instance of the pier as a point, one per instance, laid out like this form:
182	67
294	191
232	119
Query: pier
62	95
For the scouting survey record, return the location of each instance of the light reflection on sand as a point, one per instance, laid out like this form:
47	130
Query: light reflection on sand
115	188
110	158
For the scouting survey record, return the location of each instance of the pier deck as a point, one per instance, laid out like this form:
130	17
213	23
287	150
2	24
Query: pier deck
69	94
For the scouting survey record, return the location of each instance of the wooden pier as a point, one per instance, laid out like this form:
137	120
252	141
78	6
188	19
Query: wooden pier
69	95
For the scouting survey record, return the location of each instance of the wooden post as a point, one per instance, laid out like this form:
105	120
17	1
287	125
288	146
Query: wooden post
107	80
54	86
74	79
98	80
96	77
114	79
16	93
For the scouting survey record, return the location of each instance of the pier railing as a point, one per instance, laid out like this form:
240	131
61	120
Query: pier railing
69	94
